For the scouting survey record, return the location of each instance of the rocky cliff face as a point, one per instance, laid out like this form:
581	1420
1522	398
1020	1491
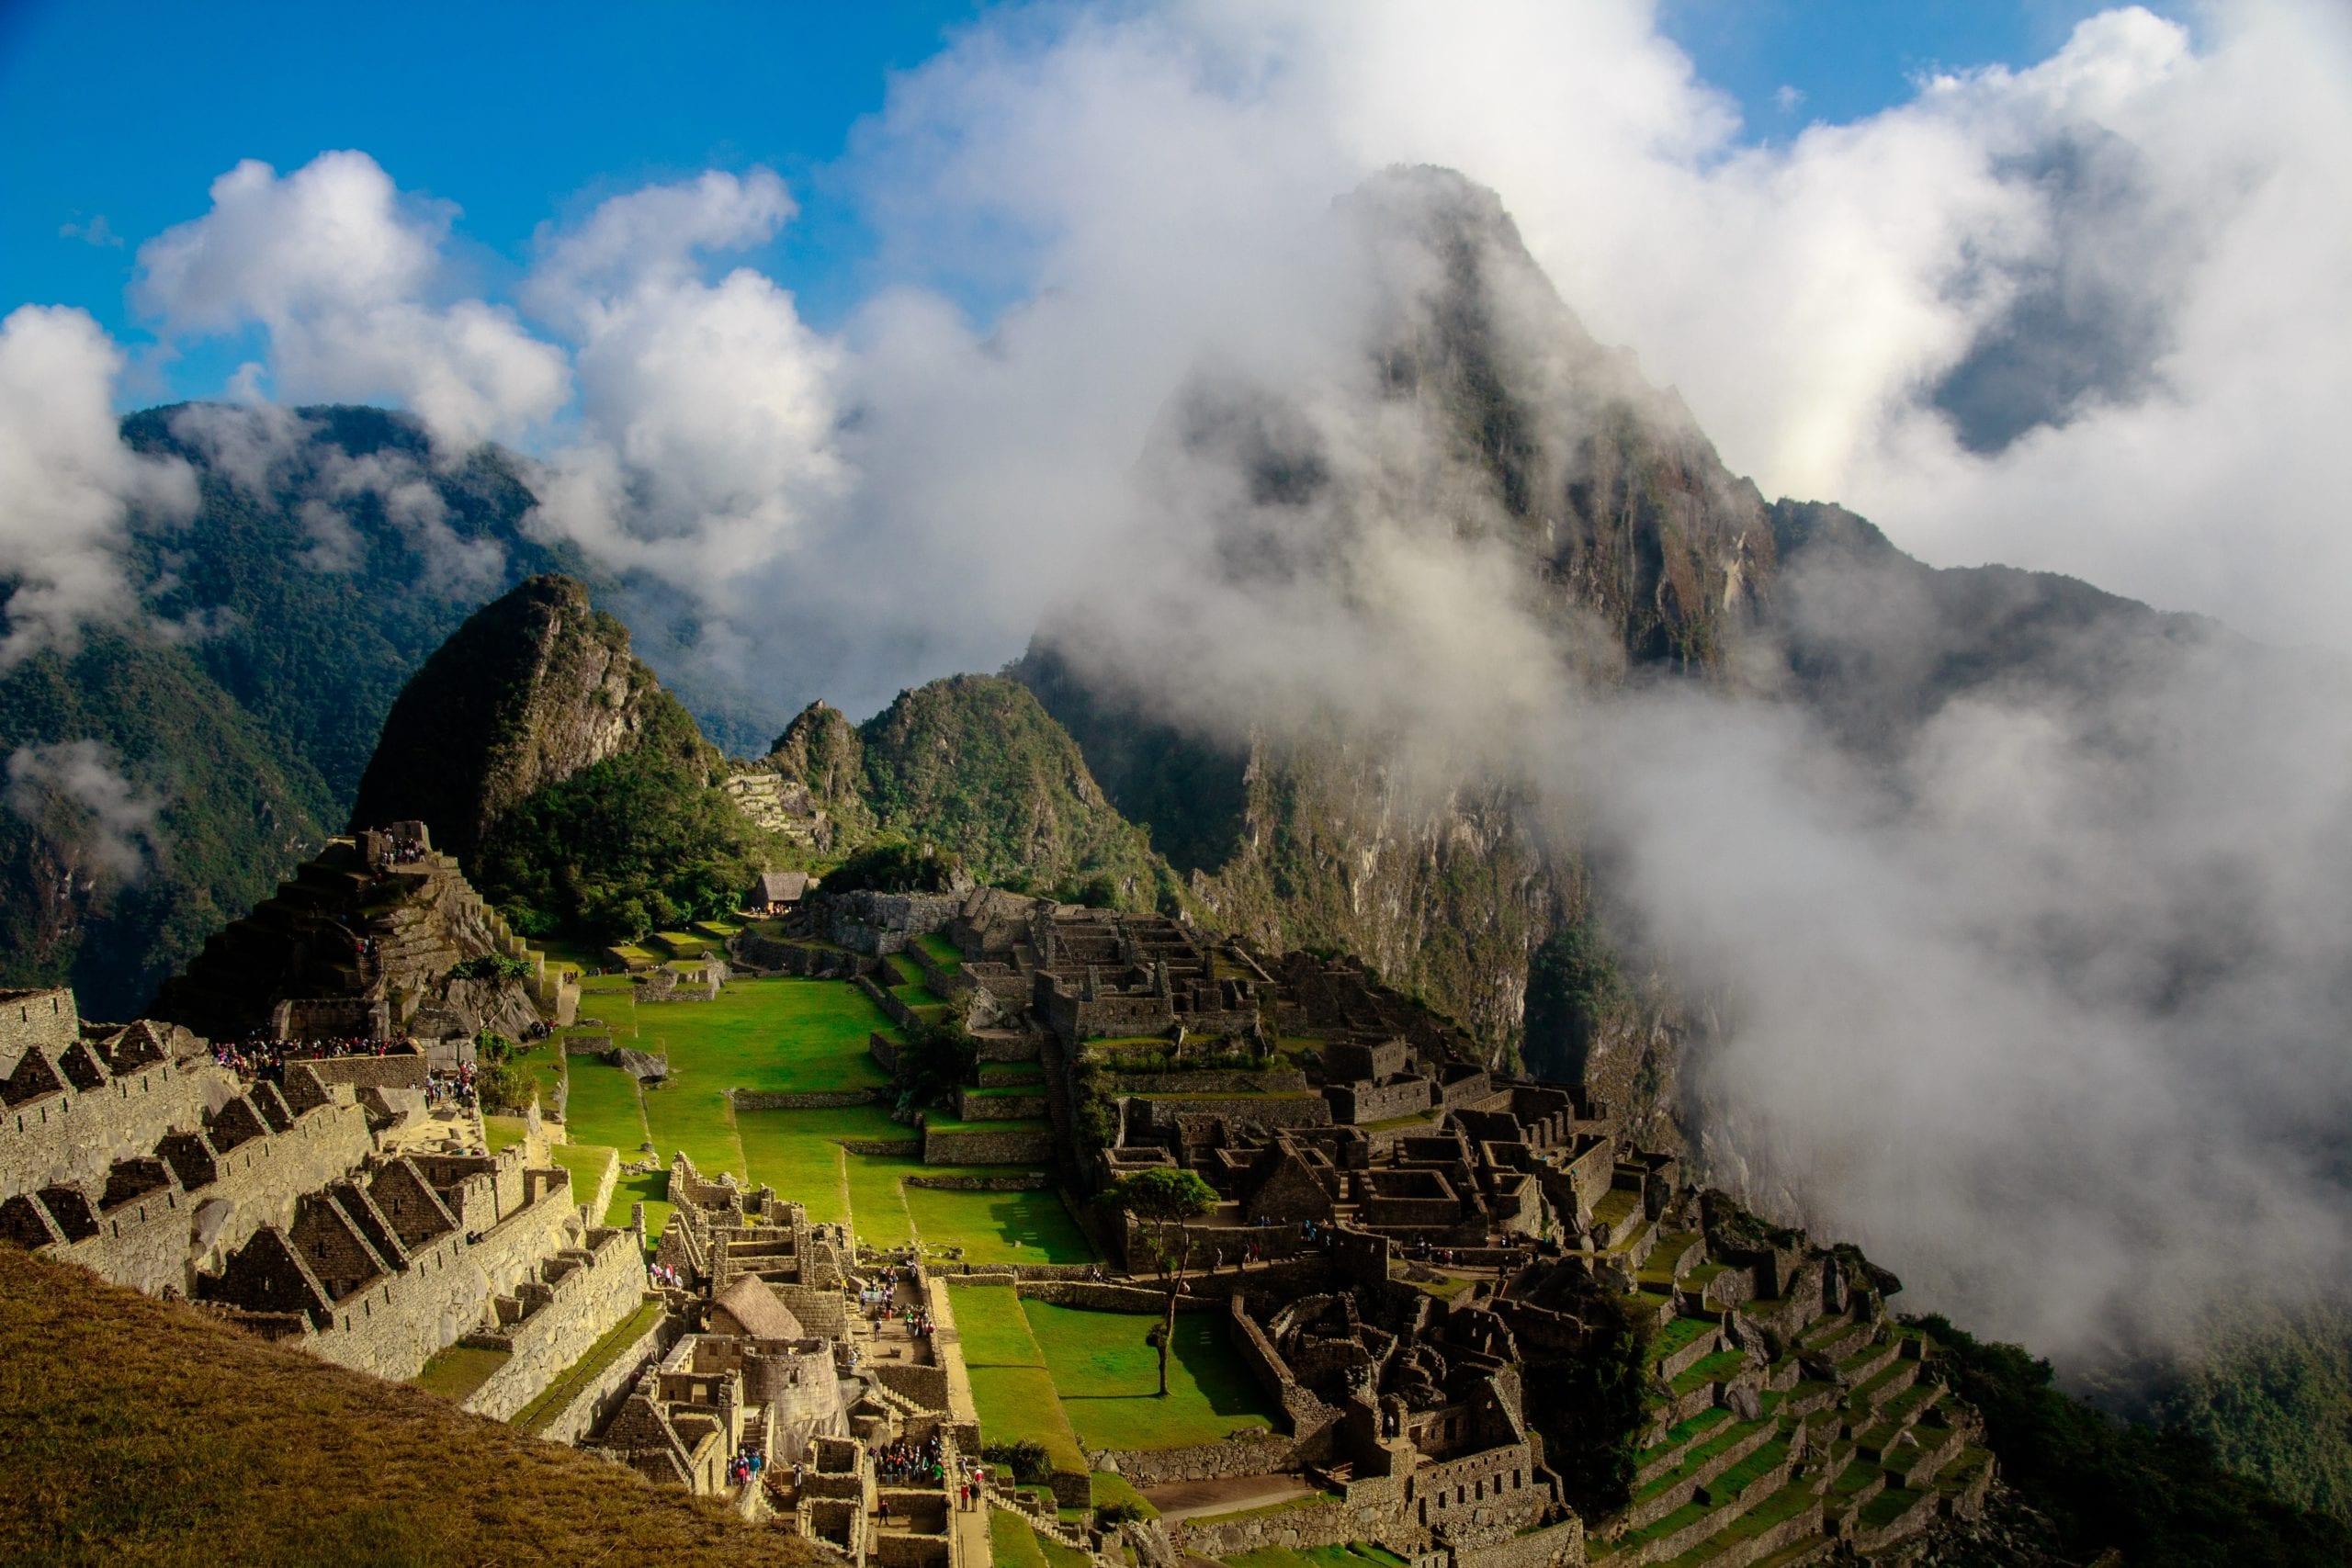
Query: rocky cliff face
1537	438
532	690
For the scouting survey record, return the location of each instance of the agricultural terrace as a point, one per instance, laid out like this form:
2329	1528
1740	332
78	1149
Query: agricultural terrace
848	1164
1069	1378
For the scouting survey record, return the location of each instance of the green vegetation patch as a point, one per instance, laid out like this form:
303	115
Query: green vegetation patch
586	1162
1107	1376
899	970
1890	1506
941	951
767	1033
591	1365
1012	1543
602	1106
1109	1489
141	1432
1707	1369
1018	1405
1677	1335
994	1330
455	1372
998	1227
503	1131
1683	1432
650	1188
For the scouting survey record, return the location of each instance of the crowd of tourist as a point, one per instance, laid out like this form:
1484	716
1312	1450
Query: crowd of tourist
745	1467
398	851
902	1461
452	1086
259	1056
667	1277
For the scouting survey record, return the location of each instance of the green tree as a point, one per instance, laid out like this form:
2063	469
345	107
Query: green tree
1573	989
1165	1201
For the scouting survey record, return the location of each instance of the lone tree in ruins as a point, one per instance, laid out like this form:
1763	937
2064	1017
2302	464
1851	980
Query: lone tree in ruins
1165	1201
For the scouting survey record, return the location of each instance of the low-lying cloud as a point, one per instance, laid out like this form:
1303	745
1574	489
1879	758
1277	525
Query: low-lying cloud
73	791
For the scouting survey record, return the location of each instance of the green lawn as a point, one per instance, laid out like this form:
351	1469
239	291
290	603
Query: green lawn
586	1162
765	1033
994	1330
1107	1377
1017	1404
999	1227
503	1131
692	1117
602	1106
650	1189
897	970
1012	1543
942	952
456	1372
790	1036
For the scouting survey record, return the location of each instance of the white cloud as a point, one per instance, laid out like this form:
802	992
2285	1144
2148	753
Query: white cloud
97	231
72	788
707	408
67	481
343	272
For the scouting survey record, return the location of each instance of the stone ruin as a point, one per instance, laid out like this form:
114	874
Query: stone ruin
285	1204
1431	1236
779	1359
367	939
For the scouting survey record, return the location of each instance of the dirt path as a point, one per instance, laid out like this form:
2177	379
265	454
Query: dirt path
1194	1499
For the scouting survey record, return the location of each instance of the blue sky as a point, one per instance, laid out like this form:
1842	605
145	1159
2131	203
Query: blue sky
126	113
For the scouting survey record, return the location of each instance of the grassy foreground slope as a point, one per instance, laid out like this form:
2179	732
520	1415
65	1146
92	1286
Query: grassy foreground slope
134	1431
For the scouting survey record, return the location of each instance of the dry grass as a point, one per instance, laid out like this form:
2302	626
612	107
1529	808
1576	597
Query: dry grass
133	1431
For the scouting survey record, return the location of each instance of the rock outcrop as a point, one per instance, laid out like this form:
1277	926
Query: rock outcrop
533	689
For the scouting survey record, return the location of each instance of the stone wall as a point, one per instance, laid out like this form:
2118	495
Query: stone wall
595	1404
45	1017
880	923
1007	1046
1205	1080
1306	1414
1005	1181
1252	1454
67	1134
1359	1102
1029	1105
1299	1529
806	960
605	1286
1263	1111
825	1099
397	1325
400	1069
1553	1546
1018	1143
209	1198
1493	1493
927	1386
1098	1296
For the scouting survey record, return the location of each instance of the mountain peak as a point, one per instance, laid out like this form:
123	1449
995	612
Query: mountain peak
536	686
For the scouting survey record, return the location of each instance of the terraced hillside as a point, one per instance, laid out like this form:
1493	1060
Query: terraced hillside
1776	1429
837	1147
